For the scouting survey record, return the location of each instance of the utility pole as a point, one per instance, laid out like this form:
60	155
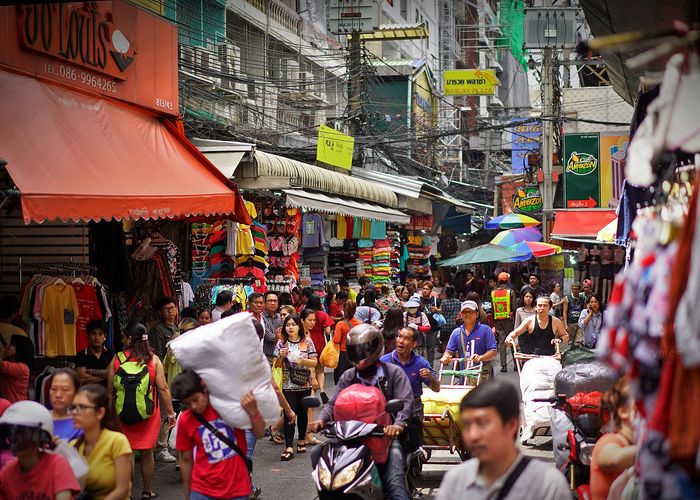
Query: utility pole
547	134
355	69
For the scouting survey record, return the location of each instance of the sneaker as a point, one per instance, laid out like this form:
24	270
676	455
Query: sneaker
165	456
256	492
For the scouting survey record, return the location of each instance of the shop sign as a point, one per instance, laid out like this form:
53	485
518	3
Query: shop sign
470	82
581	172
335	148
551	263
110	48
525	138
527	200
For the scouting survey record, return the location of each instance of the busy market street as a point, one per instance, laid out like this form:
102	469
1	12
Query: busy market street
349	249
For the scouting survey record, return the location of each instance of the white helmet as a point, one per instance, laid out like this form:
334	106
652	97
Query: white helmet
28	414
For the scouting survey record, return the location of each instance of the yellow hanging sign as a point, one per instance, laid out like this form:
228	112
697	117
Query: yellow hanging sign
334	148
470	82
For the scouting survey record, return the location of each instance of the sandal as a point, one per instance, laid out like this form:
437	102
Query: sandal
301	447
312	440
287	456
276	437
148	494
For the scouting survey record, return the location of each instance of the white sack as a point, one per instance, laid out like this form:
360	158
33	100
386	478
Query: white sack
537	382
228	356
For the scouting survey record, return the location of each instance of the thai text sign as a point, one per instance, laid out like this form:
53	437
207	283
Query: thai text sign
334	148
525	138
470	82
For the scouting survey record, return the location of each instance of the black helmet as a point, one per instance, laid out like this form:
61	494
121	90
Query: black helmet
364	345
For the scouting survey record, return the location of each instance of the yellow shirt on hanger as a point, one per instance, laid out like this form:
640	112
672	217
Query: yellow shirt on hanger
366	229
342	230
59	310
244	242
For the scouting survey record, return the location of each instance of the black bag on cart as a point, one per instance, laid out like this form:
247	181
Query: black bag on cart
584	377
576	354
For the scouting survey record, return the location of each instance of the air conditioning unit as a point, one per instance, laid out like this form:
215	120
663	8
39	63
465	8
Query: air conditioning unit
230	57
187	56
210	66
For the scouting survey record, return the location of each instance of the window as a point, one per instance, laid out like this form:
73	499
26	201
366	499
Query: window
404	9
417	15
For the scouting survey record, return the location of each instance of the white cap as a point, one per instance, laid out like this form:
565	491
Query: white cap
469	304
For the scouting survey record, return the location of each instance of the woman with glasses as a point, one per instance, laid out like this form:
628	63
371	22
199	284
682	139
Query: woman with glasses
64	385
142	430
106	450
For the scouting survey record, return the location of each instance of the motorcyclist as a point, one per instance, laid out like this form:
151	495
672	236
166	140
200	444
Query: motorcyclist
365	346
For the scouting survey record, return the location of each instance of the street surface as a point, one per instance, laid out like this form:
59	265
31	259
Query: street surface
292	480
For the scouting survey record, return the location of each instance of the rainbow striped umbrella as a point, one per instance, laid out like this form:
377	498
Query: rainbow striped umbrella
514	236
511	221
530	249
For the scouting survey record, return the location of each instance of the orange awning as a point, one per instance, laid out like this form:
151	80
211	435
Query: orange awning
580	225
78	157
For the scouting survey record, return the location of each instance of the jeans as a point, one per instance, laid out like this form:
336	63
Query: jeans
393	472
198	496
250	441
503	328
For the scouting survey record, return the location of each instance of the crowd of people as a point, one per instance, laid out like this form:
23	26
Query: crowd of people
113	407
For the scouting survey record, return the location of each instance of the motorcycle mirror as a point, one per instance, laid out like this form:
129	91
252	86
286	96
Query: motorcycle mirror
393	406
310	402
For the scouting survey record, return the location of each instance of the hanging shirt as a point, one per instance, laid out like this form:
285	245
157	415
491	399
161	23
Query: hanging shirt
365	228
357	228
377	230
312	231
88	309
60	312
341	227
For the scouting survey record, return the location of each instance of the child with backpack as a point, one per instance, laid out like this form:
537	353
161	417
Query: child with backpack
135	380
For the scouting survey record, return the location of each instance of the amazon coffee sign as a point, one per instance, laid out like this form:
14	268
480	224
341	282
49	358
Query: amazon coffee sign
581	170
111	48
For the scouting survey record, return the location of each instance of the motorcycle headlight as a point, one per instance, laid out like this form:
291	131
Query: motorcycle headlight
324	475
346	475
586	454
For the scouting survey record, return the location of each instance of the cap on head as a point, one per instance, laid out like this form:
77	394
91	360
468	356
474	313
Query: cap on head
412	302
503	277
469	304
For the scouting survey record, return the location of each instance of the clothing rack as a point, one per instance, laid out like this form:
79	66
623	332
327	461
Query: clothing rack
71	268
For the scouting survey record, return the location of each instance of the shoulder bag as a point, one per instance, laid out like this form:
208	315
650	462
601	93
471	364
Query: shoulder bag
512	478
225	439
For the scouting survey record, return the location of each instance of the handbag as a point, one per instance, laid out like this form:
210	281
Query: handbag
278	375
298	375
330	355
226	440
440	320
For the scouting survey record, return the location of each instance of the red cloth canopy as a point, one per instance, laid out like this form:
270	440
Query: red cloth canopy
81	157
580	223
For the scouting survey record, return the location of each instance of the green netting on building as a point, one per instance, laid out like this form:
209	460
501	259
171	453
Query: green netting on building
512	19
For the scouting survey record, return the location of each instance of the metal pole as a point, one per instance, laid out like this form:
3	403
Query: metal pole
547	138
355	69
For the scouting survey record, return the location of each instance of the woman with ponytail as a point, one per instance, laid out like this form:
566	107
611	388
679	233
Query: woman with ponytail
136	382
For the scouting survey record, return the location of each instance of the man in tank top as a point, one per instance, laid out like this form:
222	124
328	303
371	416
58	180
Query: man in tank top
546	330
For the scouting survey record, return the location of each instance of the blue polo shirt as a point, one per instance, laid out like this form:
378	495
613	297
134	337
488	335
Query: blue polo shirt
482	335
411	369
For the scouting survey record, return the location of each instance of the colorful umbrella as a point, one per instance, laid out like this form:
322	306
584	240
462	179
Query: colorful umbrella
515	236
482	253
530	249
607	234
511	221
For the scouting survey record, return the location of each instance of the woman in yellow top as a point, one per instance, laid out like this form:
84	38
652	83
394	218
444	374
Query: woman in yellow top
170	364
107	452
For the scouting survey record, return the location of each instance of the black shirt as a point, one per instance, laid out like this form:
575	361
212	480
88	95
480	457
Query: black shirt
91	362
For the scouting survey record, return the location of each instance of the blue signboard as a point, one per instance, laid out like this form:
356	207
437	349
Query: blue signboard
524	138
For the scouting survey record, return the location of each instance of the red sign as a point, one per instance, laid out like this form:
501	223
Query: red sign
111	48
589	203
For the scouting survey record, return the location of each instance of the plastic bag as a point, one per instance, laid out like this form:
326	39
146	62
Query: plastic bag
560	424
278	375
576	354
228	356
330	355
537	382
586	377
76	461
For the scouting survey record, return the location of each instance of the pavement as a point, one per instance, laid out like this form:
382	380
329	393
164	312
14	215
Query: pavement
292	480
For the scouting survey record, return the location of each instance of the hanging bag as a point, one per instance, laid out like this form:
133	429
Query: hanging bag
440	320
330	355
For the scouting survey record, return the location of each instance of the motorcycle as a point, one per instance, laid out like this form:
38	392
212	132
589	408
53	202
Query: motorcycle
345	468
583	411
